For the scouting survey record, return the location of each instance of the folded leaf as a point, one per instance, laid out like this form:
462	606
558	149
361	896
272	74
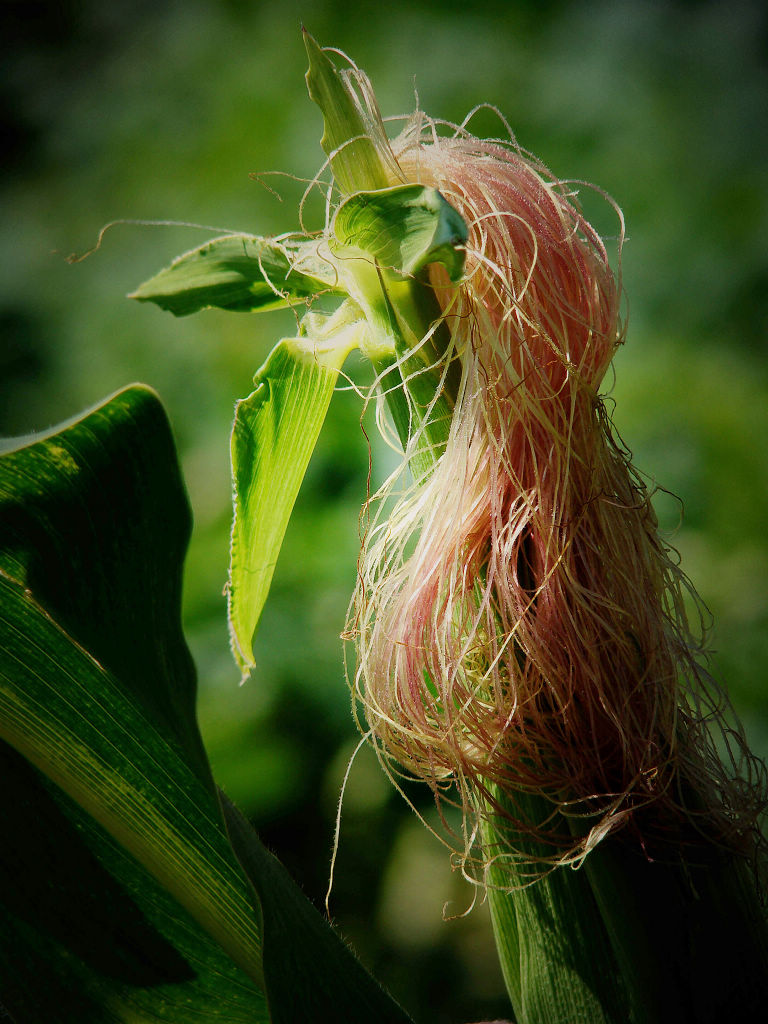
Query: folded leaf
274	434
404	228
242	273
354	136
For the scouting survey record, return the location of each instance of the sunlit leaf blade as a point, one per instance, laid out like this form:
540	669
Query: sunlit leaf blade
274	434
80	915
241	273
299	943
352	130
404	228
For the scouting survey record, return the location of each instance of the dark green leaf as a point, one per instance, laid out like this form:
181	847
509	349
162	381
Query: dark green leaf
300	944
94	528
63	712
87	935
95	522
242	273
687	924
121	898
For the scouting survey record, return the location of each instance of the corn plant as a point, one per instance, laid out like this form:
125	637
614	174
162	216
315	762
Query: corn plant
519	639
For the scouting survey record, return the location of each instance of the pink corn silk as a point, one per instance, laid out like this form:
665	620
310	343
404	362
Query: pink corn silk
535	637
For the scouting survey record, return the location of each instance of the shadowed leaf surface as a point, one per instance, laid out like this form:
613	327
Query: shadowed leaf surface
335	987
87	935
97	691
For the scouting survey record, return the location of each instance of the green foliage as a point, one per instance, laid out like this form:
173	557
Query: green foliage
97	692
309	974
87	935
383	241
350	137
555	951
686	922
273	437
404	228
241	273
131	894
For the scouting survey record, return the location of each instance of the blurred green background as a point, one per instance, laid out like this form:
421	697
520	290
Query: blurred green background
162	110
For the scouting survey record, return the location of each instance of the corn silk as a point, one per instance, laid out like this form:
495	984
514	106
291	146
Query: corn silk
519	626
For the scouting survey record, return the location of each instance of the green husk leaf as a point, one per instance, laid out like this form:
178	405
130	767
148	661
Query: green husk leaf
354	137
240	273
274	434
554	950
688	927
404	228
299	943
385	242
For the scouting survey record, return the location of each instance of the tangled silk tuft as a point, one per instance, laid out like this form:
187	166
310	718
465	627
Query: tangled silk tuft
520	628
